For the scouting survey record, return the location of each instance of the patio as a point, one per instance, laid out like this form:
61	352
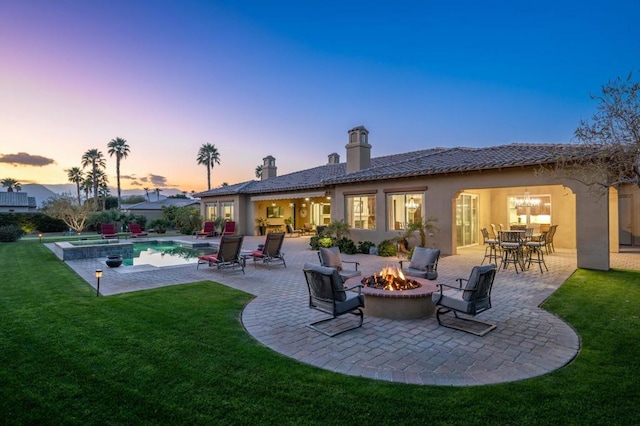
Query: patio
528	341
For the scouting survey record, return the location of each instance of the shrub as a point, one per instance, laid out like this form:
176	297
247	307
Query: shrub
347	246
160	225
364	246
387	248
188	220
10	233
316	242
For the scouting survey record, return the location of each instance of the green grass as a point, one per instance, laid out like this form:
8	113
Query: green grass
179	355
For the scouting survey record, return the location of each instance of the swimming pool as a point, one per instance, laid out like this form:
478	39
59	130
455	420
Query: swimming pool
165	253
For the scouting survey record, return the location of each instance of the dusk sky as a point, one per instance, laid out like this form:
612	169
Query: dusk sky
290	78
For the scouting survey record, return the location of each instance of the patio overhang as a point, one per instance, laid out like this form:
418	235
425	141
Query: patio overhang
290	195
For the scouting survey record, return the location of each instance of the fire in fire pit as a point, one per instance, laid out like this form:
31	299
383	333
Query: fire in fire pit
390	279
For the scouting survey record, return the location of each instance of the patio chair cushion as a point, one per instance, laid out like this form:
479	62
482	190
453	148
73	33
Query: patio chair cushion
331	257
424	259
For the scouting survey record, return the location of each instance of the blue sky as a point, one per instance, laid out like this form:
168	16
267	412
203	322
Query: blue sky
290	78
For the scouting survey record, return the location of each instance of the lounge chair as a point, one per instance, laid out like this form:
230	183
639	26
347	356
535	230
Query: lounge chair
229	228
228	255
327	294
271	251
108	230
330	258
136	230
292	231
307	228
208	230
471	299
423	263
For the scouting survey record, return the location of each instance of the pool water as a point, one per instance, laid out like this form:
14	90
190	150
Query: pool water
165	254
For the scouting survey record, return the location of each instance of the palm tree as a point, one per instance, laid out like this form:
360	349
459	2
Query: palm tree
259	171
100	177
95	159
157	191
120	149
86	186
11	184
208	155
76	176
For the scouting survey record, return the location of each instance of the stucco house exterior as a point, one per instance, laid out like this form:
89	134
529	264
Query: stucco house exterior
464	189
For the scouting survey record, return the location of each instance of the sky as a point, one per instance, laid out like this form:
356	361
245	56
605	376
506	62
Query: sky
290	78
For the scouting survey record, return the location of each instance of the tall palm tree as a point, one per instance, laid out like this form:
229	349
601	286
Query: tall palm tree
146	191
208	155
157	191
87	186
11	184
120	149
95	159
259	171
100	177
76	176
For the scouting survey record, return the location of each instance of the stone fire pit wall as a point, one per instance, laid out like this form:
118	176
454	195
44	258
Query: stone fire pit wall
407	304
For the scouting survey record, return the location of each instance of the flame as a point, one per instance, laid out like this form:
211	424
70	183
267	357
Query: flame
390	278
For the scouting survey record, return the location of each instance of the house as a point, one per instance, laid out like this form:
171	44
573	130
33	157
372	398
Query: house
17	202
465	189
153	209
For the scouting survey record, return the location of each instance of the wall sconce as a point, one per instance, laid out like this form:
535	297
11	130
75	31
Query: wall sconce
328	197
304	205
306	199
98	276
273	204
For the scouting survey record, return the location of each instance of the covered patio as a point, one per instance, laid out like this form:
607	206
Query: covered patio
528	341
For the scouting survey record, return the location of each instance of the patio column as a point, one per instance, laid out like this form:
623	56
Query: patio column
592	229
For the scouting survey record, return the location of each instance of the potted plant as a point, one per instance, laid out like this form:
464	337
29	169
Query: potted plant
262	225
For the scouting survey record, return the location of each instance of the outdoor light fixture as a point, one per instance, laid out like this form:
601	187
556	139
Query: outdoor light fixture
40	236
98	276
527	201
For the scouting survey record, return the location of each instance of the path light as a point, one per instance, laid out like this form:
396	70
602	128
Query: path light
40	236
98	276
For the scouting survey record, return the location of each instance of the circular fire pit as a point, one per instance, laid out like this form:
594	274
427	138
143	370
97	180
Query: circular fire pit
405	304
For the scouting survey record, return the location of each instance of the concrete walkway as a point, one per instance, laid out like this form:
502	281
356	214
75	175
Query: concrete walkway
527	342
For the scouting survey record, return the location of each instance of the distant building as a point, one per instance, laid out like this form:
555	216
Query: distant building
153	209
17	202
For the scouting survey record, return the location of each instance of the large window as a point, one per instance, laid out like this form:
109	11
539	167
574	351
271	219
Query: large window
530	210
226	210
403	209
361	211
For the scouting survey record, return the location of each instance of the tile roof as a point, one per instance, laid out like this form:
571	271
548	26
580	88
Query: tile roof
431	161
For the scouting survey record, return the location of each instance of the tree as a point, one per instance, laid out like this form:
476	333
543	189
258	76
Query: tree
208	156
608	149
76	176
64	208
11	184
120	149
146	191
99	178
259	171
95	159
157	191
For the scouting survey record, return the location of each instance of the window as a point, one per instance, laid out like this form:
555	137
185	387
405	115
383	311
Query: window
403	209
226	210
530	210
211	211
361	211
275	211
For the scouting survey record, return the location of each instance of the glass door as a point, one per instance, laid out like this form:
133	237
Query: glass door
466	220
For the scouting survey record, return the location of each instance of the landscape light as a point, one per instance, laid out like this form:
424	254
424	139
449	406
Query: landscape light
98	276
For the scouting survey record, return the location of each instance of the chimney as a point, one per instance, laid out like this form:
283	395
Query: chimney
269	168
358	150
334	158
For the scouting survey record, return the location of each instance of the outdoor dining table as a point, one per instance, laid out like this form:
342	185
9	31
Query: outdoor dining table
513	241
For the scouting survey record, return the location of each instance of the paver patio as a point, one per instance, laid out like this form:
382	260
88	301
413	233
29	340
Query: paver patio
528	341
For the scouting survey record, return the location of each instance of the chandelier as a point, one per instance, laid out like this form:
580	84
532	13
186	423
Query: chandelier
527	201
412	205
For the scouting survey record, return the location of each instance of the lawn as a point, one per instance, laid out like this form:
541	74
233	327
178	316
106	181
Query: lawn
179	355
